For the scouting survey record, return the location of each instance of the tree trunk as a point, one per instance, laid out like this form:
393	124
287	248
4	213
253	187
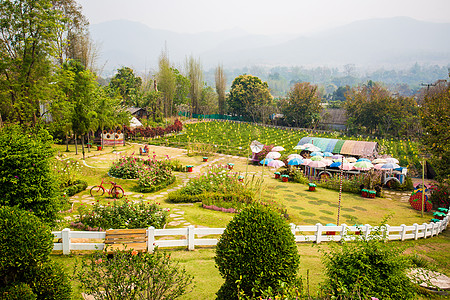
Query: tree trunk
76	145
67	143
82	145
89	149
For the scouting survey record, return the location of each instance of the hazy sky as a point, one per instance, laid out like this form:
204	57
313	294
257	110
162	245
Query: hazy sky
260	16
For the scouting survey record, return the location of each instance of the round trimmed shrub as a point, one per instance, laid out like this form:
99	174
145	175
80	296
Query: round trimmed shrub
21	291
25	244
257	249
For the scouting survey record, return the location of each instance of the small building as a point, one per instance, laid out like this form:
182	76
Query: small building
137	112
333	118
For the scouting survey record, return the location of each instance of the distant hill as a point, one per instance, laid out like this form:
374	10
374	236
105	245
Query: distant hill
376	42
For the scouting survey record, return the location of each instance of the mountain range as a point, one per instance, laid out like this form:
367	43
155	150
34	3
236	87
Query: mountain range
392	42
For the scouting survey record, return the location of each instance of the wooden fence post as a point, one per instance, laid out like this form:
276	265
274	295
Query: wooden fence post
318	233
150	239
416	231
425	230
65	236
293	228
190	237
403	226
366	233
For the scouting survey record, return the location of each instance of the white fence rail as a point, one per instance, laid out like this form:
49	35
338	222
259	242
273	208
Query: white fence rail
190	236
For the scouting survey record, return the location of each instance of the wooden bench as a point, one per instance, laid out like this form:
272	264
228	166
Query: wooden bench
126	239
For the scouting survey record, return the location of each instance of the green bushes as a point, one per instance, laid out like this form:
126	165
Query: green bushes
25	244
141	276
440	196
78	186
123	214
351	185
297	176
257	250
367	268
26	176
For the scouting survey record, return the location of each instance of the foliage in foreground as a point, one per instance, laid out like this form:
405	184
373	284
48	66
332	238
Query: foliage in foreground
26	175
132	275
256	251
25	245
367	268
121	214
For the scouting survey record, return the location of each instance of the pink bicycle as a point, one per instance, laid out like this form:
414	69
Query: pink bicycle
116	191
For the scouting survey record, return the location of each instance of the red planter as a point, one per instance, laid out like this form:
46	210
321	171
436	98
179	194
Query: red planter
205	159
284	179
330	233
189	169
364	194
99	148
312	188
277	176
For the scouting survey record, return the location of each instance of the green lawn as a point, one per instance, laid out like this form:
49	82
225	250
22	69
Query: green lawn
304	207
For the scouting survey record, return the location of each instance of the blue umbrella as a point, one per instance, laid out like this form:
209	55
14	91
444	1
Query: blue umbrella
295	162
363	159
390	166
336	164
327	154
267	160
316	153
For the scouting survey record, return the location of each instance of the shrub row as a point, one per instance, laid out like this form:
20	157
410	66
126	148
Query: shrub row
149	132
78	186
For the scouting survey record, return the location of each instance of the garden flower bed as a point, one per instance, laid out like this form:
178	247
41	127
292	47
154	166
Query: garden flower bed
152	174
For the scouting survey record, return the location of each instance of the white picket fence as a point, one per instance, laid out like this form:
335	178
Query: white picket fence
191	237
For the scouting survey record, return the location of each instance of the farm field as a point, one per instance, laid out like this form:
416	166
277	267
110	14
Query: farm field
303	207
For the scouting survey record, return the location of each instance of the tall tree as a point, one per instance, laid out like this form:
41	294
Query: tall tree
195	75
28	30
435	116
371	108
248	95
167	82
302	108
221	84
127	84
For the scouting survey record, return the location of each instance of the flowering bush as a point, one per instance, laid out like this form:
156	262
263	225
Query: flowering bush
121	215
66	171
132	275
126	168
155	175
440	196
152	174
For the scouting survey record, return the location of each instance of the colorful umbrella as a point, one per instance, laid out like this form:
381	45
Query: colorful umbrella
295	161
363	165
379	161
346	166
266	161
291	156
317	164
306	161
299	147
276	164
363	159
327	154
351	159
327	161
273	155
340	160
390	166
336	156
335	164
256	146
313	148
392	160
378	166
277	149
316	158
316	153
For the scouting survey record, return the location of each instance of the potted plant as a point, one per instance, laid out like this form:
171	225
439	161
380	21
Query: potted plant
312	186
277	175
205	159
189	168
230	166
285	178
